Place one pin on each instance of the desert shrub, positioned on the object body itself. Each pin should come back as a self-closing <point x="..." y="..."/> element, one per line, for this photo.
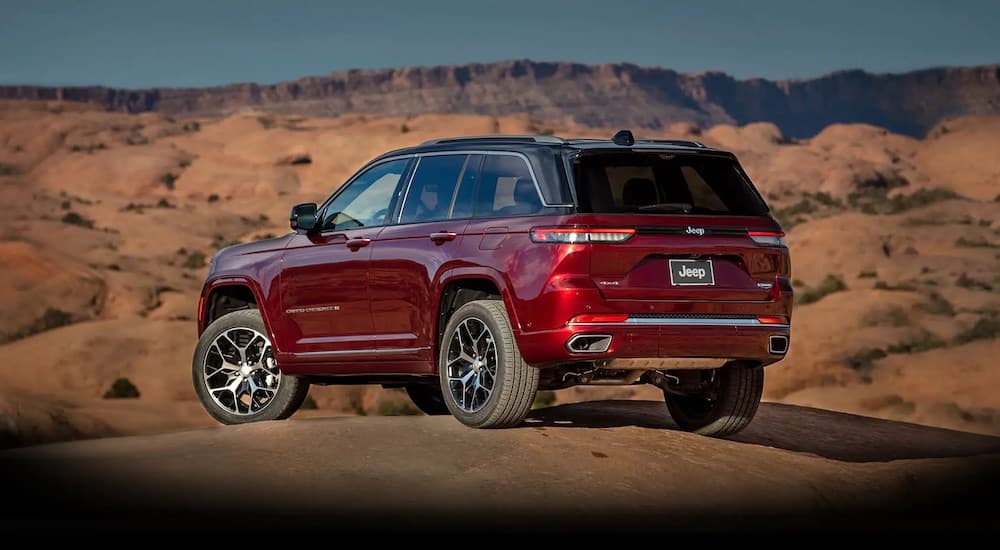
<point x="66" y="205"/>
<point x="905" y="287"/>
<point x="867" y="275"/>
<point x="122" y="388"/>
<point x="986" y="328"/>
<point x="895" y="316"/>
<point x="114" y="267"/>
<point x="397" y="408"/>
<point x="825" y="199"/>
<point x="72" y="218"/>
<point x="52" y="318"/>
<point x="936" y="305"/>
<point x="404" y="129"/>
<point x="828" y="285"/>
<point x="192" y="126"/>
<point x="164" y="203"/>
<point x="309" y="403"/>
<point x="214" y="197"/>
<point x="184" y="163"/>
<point x="267" y="122"/>
<point x="263" y="236"/>
<point x="876" y="200"/>
<point x="965" y="281"/>
<point x="862" y="361"/>
<point x="922" y="341"/>
<point x="194" y="260"/>
<point x="8" y="169"/>
<point x="544" y="398"/>
<point x="962" y="242"/>
<point x="168" y="180"/>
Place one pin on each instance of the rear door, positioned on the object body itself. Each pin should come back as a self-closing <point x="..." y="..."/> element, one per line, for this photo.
<point x="701" y="232"/>
<point x="408" y="256"/>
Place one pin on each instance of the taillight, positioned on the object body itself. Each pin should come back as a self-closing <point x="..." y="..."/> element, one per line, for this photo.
<point x="581" y="234"/>
<point x="594" y="318"/>
<point x="768" y="238"/>
<point x="771" y="320"/>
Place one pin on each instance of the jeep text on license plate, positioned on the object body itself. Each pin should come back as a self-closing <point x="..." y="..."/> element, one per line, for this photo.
<point x="691" y="272"/>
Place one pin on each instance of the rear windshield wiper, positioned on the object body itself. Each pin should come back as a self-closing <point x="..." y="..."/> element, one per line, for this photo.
<point x="668" y="207"/>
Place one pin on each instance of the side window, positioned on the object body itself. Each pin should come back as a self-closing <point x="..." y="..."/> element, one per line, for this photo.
<point x="463" y="203"/>
<point x="432" y="188"/>
<point x="506" y="188"/>
<point x="365" y="203"/>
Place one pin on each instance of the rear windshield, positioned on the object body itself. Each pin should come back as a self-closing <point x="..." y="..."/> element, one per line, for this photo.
<point x="657" y="183"/>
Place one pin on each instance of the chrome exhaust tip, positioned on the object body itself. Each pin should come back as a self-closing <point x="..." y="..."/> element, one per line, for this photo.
<point x="777" y="344"/>
<point x="589" y="343"/>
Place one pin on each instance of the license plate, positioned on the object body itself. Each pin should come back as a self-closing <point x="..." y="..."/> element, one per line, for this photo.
<point x="691" y="272"/>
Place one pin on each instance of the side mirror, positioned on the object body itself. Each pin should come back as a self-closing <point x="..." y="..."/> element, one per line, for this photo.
<point x="303" y="217"/>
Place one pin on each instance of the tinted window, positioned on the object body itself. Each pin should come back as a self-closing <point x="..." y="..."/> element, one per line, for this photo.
<point x="658" y="183"/>
<point x="506" y="188"/>
<point x="462" y="207"/>
<point x="365" y="202"/>
<point x="432" y="188"/>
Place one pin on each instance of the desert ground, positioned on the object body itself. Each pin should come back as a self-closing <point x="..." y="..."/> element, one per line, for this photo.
<point x="110" y="220"/>
<point x="621" y="466"/>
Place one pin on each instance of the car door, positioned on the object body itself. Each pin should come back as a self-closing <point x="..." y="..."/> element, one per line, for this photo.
<point x="408" y="256"/>
<point x="325" y="274"/>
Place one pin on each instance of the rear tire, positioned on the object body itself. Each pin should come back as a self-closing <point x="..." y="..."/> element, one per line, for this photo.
<point x="484" y="380"/>
<point x="728" y="405"/>
<point x="428" y="398"/>
<point x="235" y="376"/>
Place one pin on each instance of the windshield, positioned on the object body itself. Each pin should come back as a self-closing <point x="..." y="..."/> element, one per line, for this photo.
<point x="657" y="183"/>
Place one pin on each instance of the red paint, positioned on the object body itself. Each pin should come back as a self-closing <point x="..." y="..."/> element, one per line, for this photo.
<point x="366" y="301"/>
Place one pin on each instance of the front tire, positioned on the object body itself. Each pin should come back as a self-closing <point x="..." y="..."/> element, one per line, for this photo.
<point x="235" y="375"/>
<point x="484" y="380"/>
<point x="725" y="407"/>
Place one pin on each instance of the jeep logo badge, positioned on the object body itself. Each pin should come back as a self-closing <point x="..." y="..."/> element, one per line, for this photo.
<point x="696" y="272"/>
<point x="695" y="231"/>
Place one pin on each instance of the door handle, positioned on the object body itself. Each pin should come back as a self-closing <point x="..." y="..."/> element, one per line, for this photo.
<point x="355" y="244"/>
<point x="442" y="236"/>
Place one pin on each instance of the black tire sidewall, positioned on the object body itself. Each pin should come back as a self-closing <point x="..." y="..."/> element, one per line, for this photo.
<point x="470" y="310"/>
<point x="289" y="397"/>
<point x="731" y="405"/>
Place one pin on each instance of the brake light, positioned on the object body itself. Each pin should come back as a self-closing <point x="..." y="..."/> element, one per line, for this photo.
<point x="563" y="235"/>
<point x="599" y="318"/>
<point x="768" y="238"/>
<point x="769" y="320"/>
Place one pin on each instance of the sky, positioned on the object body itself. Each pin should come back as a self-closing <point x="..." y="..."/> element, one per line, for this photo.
<point x="141" y="44"/>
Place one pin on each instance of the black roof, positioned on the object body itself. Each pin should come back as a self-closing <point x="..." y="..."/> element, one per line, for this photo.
<point x="535" y="142"/>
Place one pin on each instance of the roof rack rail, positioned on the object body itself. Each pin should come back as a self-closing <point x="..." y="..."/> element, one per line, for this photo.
<point x="681" y="142"/>
<point x="497" y="139"/>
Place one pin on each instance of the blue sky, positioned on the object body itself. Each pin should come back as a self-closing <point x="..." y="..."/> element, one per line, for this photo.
<point x="205" y="42"/>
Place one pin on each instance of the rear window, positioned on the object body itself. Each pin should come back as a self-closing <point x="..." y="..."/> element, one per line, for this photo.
<point x="657" y="183"/>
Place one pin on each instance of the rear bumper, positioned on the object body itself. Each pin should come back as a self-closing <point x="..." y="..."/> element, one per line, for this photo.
<point x="722" y="338"/>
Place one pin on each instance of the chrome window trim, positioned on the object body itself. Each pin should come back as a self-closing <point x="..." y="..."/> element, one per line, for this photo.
<point x="522" y="156"/>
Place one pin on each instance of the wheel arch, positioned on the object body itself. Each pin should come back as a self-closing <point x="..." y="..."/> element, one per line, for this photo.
<point x="223" y="296"/>
<point x="460" y="287"/>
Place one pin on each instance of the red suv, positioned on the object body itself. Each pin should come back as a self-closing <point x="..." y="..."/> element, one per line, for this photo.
<point x="476" y="271"/>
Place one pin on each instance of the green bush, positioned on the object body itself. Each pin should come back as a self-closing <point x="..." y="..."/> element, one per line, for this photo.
<point x="828" y="285"/>
<point x="72" y="218"/>
<point x="52" y="318"/>
<point x="937" y="305"/>
<point x="168" y="180"/>
<point x="194" y="260"/>
<point x="877" y="201"/>
<point x="122" y="388"/>
<point x="8" y="169"/>
<point x="965" y="281"/>
<point x="922" y="341"/>
<point x="986" y="328"/>
<point x="905" y="287"/>
<point x="864" y="359"/>
<point x="397" y="408"/>
<point x="895" y="316"/>
<point x="404" y="129"/>
<point x="976" y="243"/>
<point x="309" y="404"/>
<point x="867" y="275"/>
<point x="543" y="399"/>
